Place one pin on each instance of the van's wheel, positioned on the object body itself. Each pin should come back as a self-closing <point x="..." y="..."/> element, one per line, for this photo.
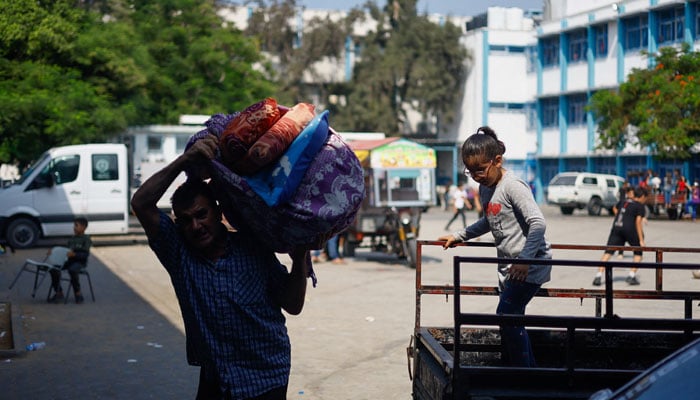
<point x="595" y="205"/>
<point x="22" y="233"/>
<point x="567" y="210"/>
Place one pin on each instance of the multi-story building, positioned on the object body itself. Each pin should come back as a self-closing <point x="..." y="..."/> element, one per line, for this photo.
<point x="498" y="90"/>
<point x="531" y="75"/>
<point x="587" y="46"/>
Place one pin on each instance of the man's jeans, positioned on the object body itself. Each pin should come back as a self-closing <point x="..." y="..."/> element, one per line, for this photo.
<point x="515" y="340"/>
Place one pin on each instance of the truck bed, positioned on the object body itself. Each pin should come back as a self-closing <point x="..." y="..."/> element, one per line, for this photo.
<point x="576" y="355"/>
<point x="594" y="360"/>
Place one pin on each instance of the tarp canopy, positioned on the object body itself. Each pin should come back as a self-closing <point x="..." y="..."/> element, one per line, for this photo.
<point x="393" y="153"/>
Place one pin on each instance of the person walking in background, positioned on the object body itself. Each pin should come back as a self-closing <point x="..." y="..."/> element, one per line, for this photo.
<point x="460" y="205"/>
<point x="668" y="186"/>
<point x="472" y="188"/>
<point x="694" y="201"/>
<point x="512" y="215"/>
<point x="332" y="249"/>
<point x="627" y="227"/>
<point x="450" y="191"/>
<point x="624" y="196"/>
<point x="230" y="286"/>
<point x="682" y="190"/>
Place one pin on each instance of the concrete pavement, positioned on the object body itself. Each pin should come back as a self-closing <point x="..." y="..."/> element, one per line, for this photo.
<point x="349" y="342"/>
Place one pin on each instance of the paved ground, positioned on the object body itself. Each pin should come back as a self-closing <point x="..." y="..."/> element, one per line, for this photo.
<point x="349" y="342"/>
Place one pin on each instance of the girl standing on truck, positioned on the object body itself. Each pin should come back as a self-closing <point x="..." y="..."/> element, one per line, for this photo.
<point x="518" y="226"/>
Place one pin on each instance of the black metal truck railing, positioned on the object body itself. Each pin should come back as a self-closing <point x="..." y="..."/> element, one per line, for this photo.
<point x="658" y="293"/>
<point x="572" y="325"/>
<point x="565" y="377"/>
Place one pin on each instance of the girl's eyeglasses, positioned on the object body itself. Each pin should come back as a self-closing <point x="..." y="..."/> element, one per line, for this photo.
<point x="478" y="174"/>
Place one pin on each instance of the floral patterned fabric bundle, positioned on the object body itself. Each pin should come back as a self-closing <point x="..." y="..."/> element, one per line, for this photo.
<point x="324" y="203"/>
<point x="242" y="131"/>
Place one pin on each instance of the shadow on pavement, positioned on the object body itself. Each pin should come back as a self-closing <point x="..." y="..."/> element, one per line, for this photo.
<point x="118" y="347"/>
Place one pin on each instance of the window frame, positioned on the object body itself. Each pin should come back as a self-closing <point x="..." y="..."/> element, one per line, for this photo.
<point x="550" y="51"/>
<point x="671" y="25"/>
<point x="640" y="32"/>
<point x="600" y="36"/>
<point x="550" y="112"/>
<point x="576" y="105"/>
<point x="578" y="46"/>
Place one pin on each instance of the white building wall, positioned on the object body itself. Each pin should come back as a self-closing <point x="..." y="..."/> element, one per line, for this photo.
<point x="550" y="142"/>
<point x="510" y="128"/>
<point x="577" y="140"/>
<point x="577" y="75"/>
<point x="551" y="81"/>
<point x="507" y="83"/>
<point x="635" y="60"/>
<point x="472" y="105"/>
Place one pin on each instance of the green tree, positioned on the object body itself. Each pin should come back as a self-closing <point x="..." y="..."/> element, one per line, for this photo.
<point x="322" y="38"/>
<point x="407" y="63"/>
<point x="82" y="71"/>
<point x="43" y="96"/>
<point x="657" y="107"/>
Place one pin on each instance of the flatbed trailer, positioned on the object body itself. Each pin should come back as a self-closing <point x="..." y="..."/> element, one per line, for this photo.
<point x="576" y="355"/>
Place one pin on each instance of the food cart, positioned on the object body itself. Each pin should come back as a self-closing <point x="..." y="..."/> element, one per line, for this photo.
<point x="400" y="183"/>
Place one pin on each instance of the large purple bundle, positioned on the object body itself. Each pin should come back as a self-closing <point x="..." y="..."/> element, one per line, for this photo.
<point x="325" y="203"/>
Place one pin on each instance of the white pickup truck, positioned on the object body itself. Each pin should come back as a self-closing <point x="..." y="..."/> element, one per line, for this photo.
<point x="579" y="190"/>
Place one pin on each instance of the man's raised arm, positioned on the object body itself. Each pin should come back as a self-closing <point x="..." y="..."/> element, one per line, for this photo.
<point x="144" y="202"/>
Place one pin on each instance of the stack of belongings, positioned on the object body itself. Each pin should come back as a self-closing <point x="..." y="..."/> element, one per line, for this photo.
<point x="284" y="175"/>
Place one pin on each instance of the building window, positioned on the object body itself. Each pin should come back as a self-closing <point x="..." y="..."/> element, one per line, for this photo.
<point x="550" y="51"/>
<point x="507" y="107"/>
<point x="577" y="109"/>
<point x="154" y="144"/>
<point x="671" y="25"/>
<point x="600" y="41"/>
<point x="636" y="32"/>
<point x="578" y="45"/>
<point x="550" y="112"/>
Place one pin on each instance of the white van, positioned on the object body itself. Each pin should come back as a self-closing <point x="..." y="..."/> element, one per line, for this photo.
<point x="89" y="180"/>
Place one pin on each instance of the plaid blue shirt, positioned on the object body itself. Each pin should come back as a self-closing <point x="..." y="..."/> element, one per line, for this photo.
<point x="235" y="329"/>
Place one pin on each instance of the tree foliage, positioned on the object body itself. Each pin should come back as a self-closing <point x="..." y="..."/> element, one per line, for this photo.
<point x="405" y="63"/>
<point x="82" y="71"/>
<point x="408" y="63"/>
<point x="657" y="107"/>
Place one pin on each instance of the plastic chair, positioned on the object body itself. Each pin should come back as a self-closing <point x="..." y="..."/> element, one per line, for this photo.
<point x="83" y="271"/>
<point x="54" y="260"/>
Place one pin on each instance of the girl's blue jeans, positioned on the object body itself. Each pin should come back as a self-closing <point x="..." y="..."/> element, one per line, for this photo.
<point x="515" y="340"/>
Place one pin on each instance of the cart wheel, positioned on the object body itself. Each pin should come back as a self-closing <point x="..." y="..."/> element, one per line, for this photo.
<point x="411" y="249"/>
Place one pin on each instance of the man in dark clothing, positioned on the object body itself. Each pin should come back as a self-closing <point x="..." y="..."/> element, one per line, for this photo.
<point x="627" y="228"/>
<point x="231" y="287"/>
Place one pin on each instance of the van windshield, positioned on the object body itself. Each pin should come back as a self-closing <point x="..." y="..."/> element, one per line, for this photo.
<point x="31" y="169"/>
